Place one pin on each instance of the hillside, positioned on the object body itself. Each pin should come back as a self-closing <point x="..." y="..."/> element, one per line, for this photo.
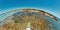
<point x="21" y="19"/>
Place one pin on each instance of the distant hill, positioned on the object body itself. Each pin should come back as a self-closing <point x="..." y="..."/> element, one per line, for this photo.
<point x="20" y="19"/>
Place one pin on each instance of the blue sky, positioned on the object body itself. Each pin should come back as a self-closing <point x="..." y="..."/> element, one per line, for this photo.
<point x="51" y="6"/>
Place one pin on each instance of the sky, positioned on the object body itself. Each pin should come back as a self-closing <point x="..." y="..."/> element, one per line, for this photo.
<point x="51" y="6"/>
